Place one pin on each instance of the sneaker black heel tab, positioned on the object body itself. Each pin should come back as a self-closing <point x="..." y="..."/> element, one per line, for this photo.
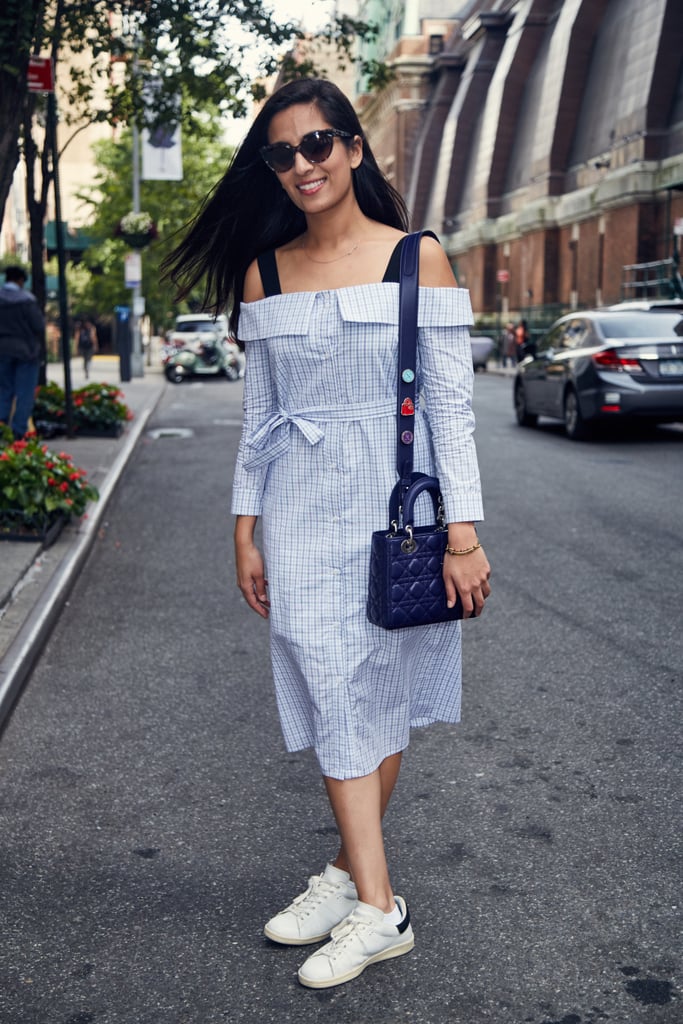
<point x="405" y="922"/>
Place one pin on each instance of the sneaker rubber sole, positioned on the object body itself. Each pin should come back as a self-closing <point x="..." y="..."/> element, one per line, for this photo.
<point x="284" y="941"/>
<point x="385" y="954"/>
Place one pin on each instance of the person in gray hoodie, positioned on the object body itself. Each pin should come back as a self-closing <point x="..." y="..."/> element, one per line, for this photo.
<point x="22" y="326"/>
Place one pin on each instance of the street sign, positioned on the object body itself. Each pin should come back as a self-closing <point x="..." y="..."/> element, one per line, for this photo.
<point x="133" y="270"/>
<point x="503" y="276"/>
<point x="41" y="77"/>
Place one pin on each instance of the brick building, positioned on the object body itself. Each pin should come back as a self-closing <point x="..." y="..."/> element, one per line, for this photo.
<point x="541" y="139"/>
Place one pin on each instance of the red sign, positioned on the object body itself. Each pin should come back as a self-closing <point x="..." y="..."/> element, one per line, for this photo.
<point x="503" y="276"/>
<point x="40" y="75"/>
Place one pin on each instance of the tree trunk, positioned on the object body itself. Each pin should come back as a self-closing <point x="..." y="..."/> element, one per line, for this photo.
<point x="36" y="205"/>
<point x="21" y="19"/>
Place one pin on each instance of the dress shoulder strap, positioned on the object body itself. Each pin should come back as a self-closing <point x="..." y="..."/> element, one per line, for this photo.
<point x="393" y="271"/>
<point x="270" y="279"/>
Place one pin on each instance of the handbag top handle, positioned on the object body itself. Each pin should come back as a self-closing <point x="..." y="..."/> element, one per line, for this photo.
<point x="407" y="355"/>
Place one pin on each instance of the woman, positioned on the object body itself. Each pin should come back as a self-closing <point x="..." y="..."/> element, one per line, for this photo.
<point x="303" y="233"/>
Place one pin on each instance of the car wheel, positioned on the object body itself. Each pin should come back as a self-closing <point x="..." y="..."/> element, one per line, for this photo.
<point x="575" y="426"/>
<point x="175" y="375"/>
<point x="524" y="417"/>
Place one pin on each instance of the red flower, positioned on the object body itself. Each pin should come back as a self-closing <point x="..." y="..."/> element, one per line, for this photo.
<point x="4" y="457"/>
<point x="48" y="463"/>
<point x="75" y="476"/>
<point x="51" y="481"/>
<point x="64" y="486"/>
<point x="78" y="401"/>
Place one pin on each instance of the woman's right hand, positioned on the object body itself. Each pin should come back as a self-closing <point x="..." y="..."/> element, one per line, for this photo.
<point x="250" y="572"/>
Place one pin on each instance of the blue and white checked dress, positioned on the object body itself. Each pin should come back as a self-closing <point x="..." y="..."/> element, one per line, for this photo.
<point x="317" y="462"/>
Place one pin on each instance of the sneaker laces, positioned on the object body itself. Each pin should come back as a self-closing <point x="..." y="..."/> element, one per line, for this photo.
<point x="345" y="930"/>
<point x="318" y="889"/>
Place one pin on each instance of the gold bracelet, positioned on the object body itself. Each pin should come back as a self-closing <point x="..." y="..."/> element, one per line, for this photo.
<point x="462" y="551"/>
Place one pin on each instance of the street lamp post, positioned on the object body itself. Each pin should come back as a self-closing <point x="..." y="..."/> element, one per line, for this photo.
<point x="136" y="365"/>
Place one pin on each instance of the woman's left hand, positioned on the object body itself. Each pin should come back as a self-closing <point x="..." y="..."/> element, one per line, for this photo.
<point x="468" y="576"/>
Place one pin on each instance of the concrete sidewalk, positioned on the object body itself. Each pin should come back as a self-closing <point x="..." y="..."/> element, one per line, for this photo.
<point x="35" y="582"/>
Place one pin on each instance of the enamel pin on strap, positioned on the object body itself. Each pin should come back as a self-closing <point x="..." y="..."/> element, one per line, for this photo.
<point x="407" y="354"/>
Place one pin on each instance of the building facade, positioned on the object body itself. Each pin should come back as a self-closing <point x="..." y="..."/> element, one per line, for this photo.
<point x="541" y="139"/>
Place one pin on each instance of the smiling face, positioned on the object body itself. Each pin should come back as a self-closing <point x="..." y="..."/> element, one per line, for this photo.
<point x="314" y="188"/>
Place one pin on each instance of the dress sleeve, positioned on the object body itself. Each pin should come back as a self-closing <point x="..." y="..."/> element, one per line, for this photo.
<point x="446" y="380"/>
<point x="259" y="402"/>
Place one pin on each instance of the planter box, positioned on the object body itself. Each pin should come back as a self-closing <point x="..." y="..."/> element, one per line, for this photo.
<point x="114" y="430"/>
<point x="13" y="526"/>
<point x="48" y="429"/>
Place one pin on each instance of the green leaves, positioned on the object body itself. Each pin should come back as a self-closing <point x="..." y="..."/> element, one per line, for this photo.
<point x="171" y="204"/>
<point x="94" y="406"/>
<point x="36" y="483"/>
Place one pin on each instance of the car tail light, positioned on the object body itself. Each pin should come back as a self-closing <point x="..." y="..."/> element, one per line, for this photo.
<point x="609" y="359"/>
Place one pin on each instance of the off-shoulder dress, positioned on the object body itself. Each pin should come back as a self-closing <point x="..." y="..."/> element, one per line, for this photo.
<point x="317" y="462"/>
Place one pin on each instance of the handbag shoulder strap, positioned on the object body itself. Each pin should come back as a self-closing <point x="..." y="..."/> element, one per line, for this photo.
<point x="407" y="354"/>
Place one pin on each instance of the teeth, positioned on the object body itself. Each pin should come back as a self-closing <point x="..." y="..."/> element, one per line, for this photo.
<point x="309" y="185"/>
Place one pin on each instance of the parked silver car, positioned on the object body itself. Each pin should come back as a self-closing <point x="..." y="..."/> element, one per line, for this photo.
<point x="481" y="350"/>
<point x="602" y="366"/>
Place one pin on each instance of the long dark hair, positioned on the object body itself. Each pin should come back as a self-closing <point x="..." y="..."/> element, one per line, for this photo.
<point x="248" y="212"/>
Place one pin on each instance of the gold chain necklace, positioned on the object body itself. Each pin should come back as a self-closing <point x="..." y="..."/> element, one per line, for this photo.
<point x="336" y="258"/>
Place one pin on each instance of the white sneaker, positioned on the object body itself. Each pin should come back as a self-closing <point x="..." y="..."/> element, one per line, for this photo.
<point x="330" y="898"/>
<point x="362" y="939"/>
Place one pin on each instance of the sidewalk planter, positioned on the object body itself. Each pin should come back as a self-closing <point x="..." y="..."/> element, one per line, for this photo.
<point x="15" y="526"/>
<point x="39" y="490"/>
<point x="115" y="430"/>
<point x="97" y="411"/>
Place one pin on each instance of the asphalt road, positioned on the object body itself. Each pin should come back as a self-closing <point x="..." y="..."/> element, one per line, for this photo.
<point x="150" y="820"/>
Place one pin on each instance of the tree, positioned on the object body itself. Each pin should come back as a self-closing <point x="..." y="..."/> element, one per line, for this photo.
<point x="171" y="204"/>
<point x="19" y="21"/>
<point x="142" y="56"/>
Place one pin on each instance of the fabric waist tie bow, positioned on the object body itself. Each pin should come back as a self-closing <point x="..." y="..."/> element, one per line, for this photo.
<point x="271" y="439"/>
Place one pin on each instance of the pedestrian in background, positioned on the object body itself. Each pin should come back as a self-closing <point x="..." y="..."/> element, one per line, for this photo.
<point x="85" y="341"/>
<point x="509" y="345"/>
<point x="22" y="328"/>
<point x="304" y="234"/>
<point x="521" y="340"/>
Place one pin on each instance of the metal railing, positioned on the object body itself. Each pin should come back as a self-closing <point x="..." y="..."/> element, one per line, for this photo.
<point x="657" y="280"/>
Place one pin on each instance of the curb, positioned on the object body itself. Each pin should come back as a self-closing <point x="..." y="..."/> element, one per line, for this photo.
<point x="23" y="652"/>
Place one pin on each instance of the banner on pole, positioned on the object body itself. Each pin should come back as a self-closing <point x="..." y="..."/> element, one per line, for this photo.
<point x="162" y="158"/>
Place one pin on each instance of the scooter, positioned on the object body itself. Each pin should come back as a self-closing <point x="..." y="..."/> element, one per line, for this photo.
<point x="212" y="358"/>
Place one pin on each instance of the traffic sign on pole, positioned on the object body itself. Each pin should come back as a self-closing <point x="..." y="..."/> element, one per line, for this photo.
<point x="41" y="75"/>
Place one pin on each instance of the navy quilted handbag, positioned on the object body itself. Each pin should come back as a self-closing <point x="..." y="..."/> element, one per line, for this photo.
<point x="406" y="585"/>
